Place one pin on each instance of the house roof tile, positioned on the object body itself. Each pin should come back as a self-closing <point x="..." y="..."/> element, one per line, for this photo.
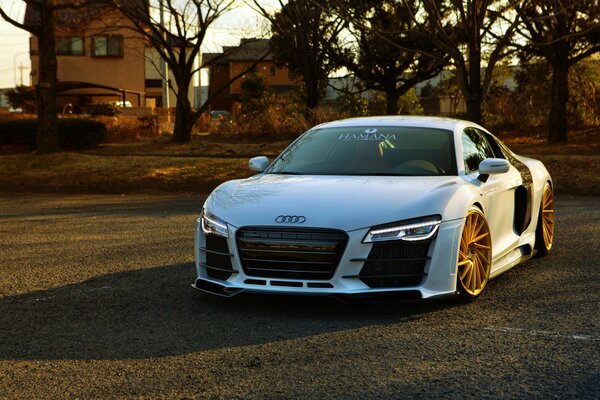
<point x="248" y="50"/>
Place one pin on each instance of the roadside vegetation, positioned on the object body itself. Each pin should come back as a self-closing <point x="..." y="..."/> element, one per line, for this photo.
<point x="135" y="158"/>
<point x="138" y="155"/>
<point x="390" y="46"/>
<point x="526" y="103"/>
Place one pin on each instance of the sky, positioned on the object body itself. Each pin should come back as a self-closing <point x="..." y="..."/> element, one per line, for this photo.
<point x="14" y="42"/>
<point x="14" y="48"/>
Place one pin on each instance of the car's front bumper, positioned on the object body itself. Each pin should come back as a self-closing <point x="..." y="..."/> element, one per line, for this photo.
<point x="439" y="278"/>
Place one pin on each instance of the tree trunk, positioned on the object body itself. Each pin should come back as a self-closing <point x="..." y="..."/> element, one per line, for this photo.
<point x="391" y="101"/>
<point x="182" y="131"/>
<point x="312" y="94"/>
<point x="474" y="107"/>
<point x="559" y="97"/>
<point x="474" y="95"/>
<point x="48" y="140"/>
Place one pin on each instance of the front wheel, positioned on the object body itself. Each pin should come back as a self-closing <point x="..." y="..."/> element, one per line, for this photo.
<point x="474" y="256"/>
<point x="544" y="233"/>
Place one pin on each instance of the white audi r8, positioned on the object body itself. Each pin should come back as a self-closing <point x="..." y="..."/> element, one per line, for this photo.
<point x="377" y="208"/>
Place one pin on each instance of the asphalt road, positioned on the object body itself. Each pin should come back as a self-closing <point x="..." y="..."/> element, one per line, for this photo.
<point x="95" y="302"/>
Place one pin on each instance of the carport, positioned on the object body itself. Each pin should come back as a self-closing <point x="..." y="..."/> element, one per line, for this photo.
<point x="79" y="89"/>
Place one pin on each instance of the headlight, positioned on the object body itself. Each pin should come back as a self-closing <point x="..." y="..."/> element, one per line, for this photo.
<point x="416" y="229"/>
<point x="212" y="224"/>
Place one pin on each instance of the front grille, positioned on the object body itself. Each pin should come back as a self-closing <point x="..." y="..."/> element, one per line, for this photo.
<point x="395" y="264"/>
<point x="218" y="260"/>
<point x="292" y="253"/>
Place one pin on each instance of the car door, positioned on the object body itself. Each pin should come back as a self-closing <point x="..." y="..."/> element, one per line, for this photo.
<point x="498" y="190"/>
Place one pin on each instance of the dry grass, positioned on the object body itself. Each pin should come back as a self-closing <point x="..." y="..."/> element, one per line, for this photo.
<point x="573" y="166"/>
<point x="200" y="145"/>
<point x="160" y="166"/>
<point x="74" y="172"/>
<point x="584" y="141"/>
<point x="124" y="129"/>
<point x="574" y="174"/>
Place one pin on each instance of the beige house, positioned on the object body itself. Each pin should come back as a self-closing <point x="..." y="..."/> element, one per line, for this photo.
<point x="99" y="59"/>
<point x="154" y="80"/>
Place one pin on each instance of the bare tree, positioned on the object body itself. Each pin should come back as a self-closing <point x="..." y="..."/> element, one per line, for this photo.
<point x="475" y="34"/>
<point x="304" y="36"/>
<point x="382" y="54"/>
<point x="178" y="42"/>
<point x="563" y="33"/>
<point x="44" y="17"/>
<point x="47" y="123"/>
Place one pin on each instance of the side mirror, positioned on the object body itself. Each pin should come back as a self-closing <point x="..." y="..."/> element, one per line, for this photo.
<point x="491" y="166"/>
<point x="259" y="163"/>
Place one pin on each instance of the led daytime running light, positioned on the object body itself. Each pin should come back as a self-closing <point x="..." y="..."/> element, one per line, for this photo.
<point x="405" y="227"/>
<point x="414" y="231"/>
<point x="209" y="224"/>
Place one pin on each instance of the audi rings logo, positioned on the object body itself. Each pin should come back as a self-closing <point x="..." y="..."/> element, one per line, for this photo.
<point x="290" y="219"/>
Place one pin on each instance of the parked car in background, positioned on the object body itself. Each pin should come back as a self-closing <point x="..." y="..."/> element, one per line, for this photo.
<point x="220" y="116"/>
<point x="121" y="103"/>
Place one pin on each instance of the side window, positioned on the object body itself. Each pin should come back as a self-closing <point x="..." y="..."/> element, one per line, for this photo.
<point x="493" y="144"/>
<point x="475" y="148"/>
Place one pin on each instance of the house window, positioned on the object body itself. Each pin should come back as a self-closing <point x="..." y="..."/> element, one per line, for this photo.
<point x="107" y="46"/>
<point x="272" y="71"/>
<point x="69" y="46"/>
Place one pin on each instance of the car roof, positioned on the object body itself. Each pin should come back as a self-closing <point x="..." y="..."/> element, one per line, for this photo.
<point x="399" y="120"/>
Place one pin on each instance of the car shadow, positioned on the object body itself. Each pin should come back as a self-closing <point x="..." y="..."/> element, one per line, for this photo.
<point x="154" y="312"/>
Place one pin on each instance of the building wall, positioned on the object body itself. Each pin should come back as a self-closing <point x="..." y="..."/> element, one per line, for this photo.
<point x="273" y="76"/>
<point x="152" y="64"/>
<point x="219" y="76"/>
<point x="125" y="72"/>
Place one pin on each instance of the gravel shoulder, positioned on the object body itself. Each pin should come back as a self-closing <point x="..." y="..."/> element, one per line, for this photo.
<point x="95" y="302"/>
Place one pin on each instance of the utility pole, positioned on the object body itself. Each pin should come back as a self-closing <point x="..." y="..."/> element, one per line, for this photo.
<point x="21" y="68"/>
<point x="15" y="68"/>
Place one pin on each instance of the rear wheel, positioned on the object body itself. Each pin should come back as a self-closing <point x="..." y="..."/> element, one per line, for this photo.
<point x="474" y="256"/>
<point x="544" y="233"/>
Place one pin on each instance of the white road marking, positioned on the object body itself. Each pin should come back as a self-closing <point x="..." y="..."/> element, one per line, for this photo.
<point x="548" y="334"/>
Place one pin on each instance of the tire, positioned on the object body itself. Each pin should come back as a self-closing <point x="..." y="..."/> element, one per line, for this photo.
<point x="474" y="256"/>
<point x="544" y="232"/>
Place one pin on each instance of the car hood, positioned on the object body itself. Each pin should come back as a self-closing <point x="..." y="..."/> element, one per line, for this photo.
<point x="342" y="202"/>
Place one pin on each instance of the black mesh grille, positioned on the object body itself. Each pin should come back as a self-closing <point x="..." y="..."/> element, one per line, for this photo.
<point x="218" y="244"/>
<point x="395" y="264"/>
<point x="293" y="253"/>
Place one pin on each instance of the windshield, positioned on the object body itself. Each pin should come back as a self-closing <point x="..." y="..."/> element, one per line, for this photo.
<point x="389" y="150"/>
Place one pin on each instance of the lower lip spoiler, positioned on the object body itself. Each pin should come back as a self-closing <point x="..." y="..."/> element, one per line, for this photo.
<point x="387" y="296"/>
<point x="215" y="288"/>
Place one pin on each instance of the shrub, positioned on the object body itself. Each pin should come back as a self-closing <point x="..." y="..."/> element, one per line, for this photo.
<point x="149" y="124"/>
<point x="409" y="104"/>
<point x="79" y="133"/>
<point x="203" y="124"/>
<point x="353" y="105"/>
<point x="109" y="110"/>
<point x="280" y="120"/>
<point x="75" y="133"/>
<point x="127" y="129"/>
<point x="22" y="97"/>
<point x="18" y="131"/>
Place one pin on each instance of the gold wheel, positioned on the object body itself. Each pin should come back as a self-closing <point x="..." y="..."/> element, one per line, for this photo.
<point x="474" y="255"/>
<point x="545" y="228"/>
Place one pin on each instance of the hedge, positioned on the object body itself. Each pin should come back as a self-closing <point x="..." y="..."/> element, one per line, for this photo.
<point x="75" y="133"/>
